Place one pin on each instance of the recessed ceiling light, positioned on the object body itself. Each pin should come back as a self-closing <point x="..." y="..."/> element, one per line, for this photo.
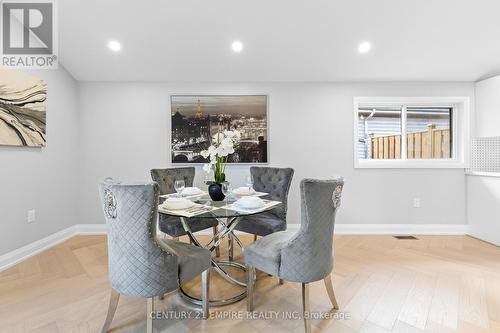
<point x="114" y="45"/>
<point x="364" y="47"/>
<point x="237" y="46"/>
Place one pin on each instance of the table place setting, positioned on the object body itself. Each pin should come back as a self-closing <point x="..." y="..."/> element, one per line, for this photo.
<point x="181" y="206"/>
<point x="247" y="191"/>
<point x="187" y="193"/>
<point x="251" y="204"/>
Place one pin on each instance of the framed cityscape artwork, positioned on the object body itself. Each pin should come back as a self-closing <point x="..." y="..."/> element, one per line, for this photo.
<point x="22" y="109"/>
<point x="197" y="118"/>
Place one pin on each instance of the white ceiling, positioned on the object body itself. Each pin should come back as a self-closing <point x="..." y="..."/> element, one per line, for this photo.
<point x="284" y="40"/>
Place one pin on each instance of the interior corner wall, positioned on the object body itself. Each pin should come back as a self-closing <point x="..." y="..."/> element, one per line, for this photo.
<point x="483" y="192"/>
<point x="44" y="179"/>
<point x="124" y="132"/>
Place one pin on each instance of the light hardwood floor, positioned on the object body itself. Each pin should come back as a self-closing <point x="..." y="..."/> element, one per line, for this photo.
<point x="434" y="284"/>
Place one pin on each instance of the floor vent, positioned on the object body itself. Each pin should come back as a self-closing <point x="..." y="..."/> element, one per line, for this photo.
<point x="406" y="237"/>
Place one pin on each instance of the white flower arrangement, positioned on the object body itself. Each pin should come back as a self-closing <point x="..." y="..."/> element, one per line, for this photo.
<point x="222" y="146"/>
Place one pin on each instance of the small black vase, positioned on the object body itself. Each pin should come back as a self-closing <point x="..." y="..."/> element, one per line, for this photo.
<point x="215" y="192"/>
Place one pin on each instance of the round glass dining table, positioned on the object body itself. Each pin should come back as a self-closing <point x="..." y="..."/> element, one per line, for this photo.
<point x="228" y="218"/>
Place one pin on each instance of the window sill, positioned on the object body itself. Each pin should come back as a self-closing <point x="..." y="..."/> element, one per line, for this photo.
<point x="408" y="164"/>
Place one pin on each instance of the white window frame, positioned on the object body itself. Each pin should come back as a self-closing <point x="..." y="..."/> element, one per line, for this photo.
<point x="461" y="132"/>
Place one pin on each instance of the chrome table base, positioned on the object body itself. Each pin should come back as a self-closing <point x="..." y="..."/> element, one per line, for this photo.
<point x="226" y="231"/>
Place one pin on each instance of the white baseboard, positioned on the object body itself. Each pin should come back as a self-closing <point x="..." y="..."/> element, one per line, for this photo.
<point x="393" y="229"/>
<point x="10" y="259"/>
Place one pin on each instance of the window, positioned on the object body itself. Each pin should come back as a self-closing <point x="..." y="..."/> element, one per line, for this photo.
<point x="379" y="130"/>
<point x="429" y="132"/>
<point x="410" y="132"/>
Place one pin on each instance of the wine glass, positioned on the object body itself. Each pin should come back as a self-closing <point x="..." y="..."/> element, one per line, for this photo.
<point x="207" y="178"/>
<point x="249" y="182"/>
<point x="226" y="189"/>
<point x="179" y="186"/>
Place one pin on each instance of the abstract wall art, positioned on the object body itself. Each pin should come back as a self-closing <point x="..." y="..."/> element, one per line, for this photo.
<point x="23" y="109"/>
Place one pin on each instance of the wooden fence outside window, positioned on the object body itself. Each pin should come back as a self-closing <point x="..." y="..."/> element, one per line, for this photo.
<point x="432" y="143"/>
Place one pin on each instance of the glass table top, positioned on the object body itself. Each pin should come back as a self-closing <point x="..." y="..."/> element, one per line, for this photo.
<point x="214" y="209"/>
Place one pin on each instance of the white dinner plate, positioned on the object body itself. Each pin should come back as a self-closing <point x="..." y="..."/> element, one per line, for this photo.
<point x="243" y="191"/>
<point x="177" y="204"/>
<point x="249" y="203"/>
<point x="191" y="191"/>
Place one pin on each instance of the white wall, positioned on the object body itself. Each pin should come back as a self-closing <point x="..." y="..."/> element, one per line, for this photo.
<point x="483" y="193"/>
<point x="487" y="94"/>
<point x="44" y="179"/>
<point x="124" y="132"/>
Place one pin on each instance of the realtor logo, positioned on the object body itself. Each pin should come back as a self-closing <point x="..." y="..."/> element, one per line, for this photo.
<point x="29" y="38"/>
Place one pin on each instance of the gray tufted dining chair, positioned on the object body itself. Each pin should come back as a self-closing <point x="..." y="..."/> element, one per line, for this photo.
<point x="304" y="256"/>
<point x="140" y="264"/>
<point x="276" y="182"/>
<point x="171" y="225"/>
